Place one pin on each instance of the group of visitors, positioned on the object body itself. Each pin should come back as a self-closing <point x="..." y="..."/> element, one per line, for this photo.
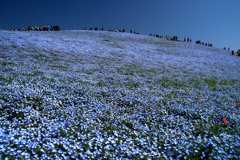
<point x="110" y="30"/>
<point x="174" y="38"/>
<point x="206" y="44"/>
<point x="38" y="28"/>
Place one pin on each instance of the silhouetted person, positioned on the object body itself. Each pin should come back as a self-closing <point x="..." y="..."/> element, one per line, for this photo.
<point x="198" y="42"/>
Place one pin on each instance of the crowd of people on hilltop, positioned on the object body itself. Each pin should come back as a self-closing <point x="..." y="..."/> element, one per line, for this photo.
<point x="37" y="28"/>
<point x="173" y="38"/>
<point x="111" y="30"/>
<point x="238" y="52"/>
<point x="206" y="44"/>
<point x="187" y="39"/>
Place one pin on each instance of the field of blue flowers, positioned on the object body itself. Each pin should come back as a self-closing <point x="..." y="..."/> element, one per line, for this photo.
<point x="104" y="95"/>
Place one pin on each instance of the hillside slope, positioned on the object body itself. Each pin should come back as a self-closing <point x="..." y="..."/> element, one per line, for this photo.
<point x="90" y="94"/>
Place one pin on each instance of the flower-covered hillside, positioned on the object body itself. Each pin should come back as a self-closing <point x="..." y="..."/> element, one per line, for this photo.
<point x="90" y="94"/>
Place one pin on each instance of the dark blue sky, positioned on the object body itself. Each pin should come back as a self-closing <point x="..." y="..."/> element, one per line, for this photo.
<point x="214" y="21"/>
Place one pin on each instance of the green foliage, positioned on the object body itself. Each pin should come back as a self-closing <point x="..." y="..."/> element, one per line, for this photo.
<point x="14" y="46"/>
<point x="211" y="83"/>
<point x="40" y="57"/>
<point x="52" y="80"/>
<point x="133" y="84"/>
<point x="37" y="73"/>
<point x="100" y="83"/>
<point x="7" y="63"/>
<point x="217" y="128"/>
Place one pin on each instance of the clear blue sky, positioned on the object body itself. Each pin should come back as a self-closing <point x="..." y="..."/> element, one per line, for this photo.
<point x="214" y="21"/>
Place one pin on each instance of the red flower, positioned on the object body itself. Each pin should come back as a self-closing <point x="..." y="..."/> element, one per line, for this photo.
<point x="224" y="120"/>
